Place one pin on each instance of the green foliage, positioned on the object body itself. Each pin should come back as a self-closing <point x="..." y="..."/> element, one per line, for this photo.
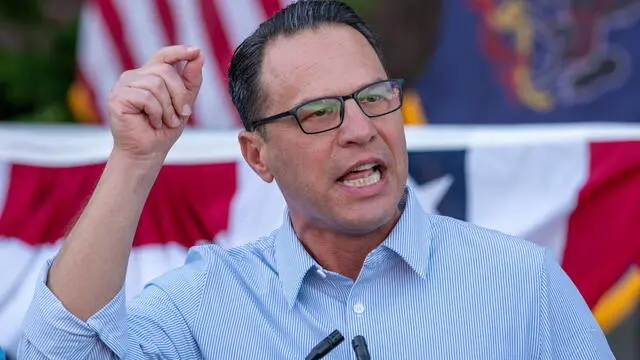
<point x="20" y="11"/>
<point x="35" y="76"/>
<point x="363" y="7"/>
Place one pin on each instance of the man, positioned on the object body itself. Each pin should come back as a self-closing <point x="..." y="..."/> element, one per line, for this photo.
<point x="355" y="251"/>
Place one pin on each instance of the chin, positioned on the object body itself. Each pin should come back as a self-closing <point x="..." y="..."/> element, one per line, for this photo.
<point x="363" y="217"/>
<point x="367" y="220"/>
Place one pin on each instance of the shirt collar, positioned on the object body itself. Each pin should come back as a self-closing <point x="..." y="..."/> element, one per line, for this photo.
<point x="410" y="239"/>
<point x="292" y="260"/>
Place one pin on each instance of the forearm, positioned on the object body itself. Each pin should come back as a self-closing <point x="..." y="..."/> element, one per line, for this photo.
<point x="150" y="326"/>
<point x="50" y="332"/>
<point x="91" y="266"/>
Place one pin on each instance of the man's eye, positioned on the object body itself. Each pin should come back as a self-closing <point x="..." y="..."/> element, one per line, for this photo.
<point x="371" y="98"/>
<point x="317" y="112"/>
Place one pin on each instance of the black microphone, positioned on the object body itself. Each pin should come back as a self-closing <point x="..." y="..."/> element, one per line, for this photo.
<point x="360" y="347"/>
<point x="325" y="346"/>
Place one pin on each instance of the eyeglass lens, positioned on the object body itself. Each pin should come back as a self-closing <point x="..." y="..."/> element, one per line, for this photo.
<point x="375" y="100"/>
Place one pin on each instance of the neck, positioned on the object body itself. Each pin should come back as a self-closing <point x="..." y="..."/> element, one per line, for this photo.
<point x="339" y="252"/>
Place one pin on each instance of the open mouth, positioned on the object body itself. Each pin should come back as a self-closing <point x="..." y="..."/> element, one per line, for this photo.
<point x="363" y="175"/>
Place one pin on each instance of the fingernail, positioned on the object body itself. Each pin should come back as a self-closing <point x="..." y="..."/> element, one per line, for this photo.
<point x="192" y="48"/>
<point x="186" y="110"/>
<point x="175" y="121"/>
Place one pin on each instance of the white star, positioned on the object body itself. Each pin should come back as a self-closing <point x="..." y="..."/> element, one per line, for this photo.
<point x="430" y="194"/>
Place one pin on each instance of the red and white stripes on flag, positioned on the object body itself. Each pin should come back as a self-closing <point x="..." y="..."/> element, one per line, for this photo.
<point x="574" y="188"/>
<point x="117" y="35"/>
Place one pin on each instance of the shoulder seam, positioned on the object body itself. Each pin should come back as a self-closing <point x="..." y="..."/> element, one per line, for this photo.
<point x="542" y="294"/>
<point x="200" y="294"/>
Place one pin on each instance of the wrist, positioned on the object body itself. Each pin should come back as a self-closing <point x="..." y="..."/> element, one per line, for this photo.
<point x="142" y="164"/>
<point x="140" y="172"/>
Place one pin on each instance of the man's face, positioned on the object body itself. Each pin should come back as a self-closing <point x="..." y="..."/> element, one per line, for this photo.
<point x="315" y="172"/>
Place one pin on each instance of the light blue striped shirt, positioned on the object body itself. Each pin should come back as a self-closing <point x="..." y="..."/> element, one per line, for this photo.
<point x="437" y="288"/>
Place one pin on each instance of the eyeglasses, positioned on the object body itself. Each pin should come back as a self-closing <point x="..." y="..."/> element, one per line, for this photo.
<point x="324" y="114"/>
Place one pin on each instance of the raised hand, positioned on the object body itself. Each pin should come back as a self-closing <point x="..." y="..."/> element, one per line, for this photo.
<point x="148" y="109"/>
<point x="149" y="106"/>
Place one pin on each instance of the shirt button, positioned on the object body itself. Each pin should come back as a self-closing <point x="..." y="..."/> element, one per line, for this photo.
<point x="358" y="308"/>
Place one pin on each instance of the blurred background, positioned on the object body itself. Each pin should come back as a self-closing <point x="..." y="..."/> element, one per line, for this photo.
<point x="468" y="64"/>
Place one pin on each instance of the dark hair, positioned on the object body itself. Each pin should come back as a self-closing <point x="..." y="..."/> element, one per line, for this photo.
<point x="246" y="64"/>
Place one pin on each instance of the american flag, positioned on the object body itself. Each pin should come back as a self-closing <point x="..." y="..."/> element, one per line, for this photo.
<point x="574" y="189"/>
<point x="117" y="35"/>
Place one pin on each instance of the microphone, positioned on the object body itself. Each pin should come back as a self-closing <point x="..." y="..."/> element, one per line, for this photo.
<point x="325" y="346"/>
<point x="360" y="348"/>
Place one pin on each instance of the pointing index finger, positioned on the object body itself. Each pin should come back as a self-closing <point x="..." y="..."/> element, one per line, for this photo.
<point x="174" y="54"/>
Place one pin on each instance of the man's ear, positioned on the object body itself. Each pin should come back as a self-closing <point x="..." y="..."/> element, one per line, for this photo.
<point x="254" y="151"/>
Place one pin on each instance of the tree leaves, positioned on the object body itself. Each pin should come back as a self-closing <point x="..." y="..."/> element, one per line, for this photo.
<point x="35" y="75"/>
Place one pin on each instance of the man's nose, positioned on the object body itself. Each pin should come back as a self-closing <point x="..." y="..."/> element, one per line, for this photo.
<point x="357" y="127"/>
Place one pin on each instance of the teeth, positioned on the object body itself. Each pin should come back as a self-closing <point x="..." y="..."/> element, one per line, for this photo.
<point x="363" y="167"/>
<point x="369" y="180"/>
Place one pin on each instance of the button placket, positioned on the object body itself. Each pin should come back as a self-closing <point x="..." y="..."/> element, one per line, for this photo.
<point x="357" y="301"/>
<point x="358" y="308"/>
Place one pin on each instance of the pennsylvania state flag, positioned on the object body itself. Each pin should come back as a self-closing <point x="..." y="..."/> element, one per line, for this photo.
<point x="534" y="61"/>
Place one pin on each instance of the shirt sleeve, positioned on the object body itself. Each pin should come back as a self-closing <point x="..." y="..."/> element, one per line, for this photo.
<point x="152" y="327"/>
<point x="567" y="327"/>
